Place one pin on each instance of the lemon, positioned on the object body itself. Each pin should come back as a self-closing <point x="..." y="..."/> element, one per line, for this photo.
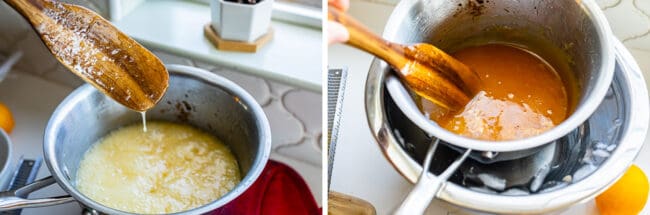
<point x="627" y="196"/>
<point x="6" y="119"/>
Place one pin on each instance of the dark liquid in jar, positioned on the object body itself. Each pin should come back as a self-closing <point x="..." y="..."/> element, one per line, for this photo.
<point x="522" y="96"/>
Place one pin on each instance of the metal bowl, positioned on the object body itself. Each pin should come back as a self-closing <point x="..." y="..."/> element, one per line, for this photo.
<point x="571" y="170"/>
<point x="5" y="160"/>
<point x="195" y="96"/>
<point x="573" y="36"/>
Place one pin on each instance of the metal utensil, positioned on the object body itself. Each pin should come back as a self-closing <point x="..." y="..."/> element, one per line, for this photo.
<point x="17" y="199"/>
<point x="26" y="172"/>
<point x="336" y="83"/>
<point x="427" y="187"/>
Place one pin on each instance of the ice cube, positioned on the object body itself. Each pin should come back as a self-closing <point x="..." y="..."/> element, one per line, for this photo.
<point x="492" y="181"/>
<point x="600" y="153"/>
<point x="539" y="178"/>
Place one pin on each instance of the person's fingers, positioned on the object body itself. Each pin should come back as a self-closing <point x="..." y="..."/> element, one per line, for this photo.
<point x="336" y="33"/>
<point x="340" y="4"/>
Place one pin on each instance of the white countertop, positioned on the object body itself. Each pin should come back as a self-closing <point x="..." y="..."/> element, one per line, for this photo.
<point x="360" y="168"/>
<point x="292" y="57"/>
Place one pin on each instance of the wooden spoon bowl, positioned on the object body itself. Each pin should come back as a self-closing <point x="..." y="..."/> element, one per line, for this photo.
<point x="93" y="49"/>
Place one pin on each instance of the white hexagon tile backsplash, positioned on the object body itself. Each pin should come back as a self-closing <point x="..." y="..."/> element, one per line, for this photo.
<point x="629" y="20"/>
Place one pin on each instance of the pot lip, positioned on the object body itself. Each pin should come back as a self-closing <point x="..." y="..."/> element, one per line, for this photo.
<point x="246" y="100"/>
<point x="579" y="116"/>
<point x="590" y="186"/>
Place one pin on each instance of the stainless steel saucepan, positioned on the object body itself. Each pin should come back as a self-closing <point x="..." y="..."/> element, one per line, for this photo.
<point x="573" y="36"/>
<point x="195" y="96"/>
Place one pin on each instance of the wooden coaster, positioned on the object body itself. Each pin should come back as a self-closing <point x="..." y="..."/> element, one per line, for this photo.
<point x="231" y="45"/>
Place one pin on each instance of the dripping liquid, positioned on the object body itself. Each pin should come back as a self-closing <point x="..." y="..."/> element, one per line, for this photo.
<point x="144" y="120"/>
<point x="521" y="96"/>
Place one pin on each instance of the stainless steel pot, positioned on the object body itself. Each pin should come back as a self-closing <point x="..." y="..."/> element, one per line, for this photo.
<point x="573" y="36"/>
<point x="620" y="122"/>
<point x="195" y="96"/>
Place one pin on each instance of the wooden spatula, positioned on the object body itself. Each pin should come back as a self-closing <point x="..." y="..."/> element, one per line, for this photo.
<point x="96" y="51"/>
<point x="428" y="71"/>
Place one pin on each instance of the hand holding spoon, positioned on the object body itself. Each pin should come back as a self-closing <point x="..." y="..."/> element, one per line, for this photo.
<point x="427" y="70"/>
<point x="93" y="49"/>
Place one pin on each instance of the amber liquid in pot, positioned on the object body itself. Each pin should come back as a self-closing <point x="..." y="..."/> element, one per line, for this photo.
<point x="522" y="96"/>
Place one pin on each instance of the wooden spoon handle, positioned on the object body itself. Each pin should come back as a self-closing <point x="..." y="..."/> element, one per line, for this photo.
<point x="420" y="77"/>
<point x="364" y="39"/>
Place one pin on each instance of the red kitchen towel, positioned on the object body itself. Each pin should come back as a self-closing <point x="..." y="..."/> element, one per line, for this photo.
<point x="279" y="190"/>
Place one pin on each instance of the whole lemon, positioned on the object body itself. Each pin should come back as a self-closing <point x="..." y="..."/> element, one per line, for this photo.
<point x="6" y="119"/>
<point x="627" y="196"/>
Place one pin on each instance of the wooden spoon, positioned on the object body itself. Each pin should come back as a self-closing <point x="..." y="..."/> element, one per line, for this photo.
<point x="427" y="70"/>
<point x="96" y="51"/>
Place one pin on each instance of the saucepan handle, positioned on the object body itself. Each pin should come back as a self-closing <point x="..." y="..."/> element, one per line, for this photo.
<point x="420" y="197"/>
<point x="17" y="199"/>
<point x="427" y="187"/>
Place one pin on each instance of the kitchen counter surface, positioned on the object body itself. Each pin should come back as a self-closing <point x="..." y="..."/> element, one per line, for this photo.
<point x="292" y="57"/>
<point x="360" y="168"/>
